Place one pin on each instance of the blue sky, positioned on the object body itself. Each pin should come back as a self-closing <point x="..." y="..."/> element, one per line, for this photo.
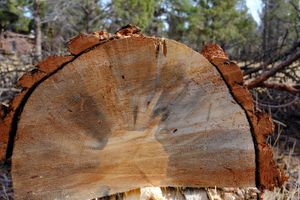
<point x="255" y="7"/>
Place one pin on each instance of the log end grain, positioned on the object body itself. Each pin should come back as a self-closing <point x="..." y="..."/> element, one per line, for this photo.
<point x="166" y="79"/>
<point x="128" y="113"/>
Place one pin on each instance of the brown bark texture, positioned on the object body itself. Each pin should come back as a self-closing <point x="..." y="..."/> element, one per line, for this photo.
<point x="267" y="174"/>
<point x="127" y="111"/>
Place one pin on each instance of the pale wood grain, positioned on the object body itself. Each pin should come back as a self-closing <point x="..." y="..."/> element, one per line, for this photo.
<point x="131" y="113"/>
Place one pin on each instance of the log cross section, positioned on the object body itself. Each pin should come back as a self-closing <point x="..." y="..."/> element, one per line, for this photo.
<point x="124" y="113"/>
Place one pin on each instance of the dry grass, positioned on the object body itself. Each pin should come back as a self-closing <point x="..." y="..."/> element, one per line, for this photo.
<point x="6" y="191"/>
<point x="290" y="163"/>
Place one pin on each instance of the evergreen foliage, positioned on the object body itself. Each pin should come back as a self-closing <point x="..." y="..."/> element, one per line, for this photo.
<point x="194" y="22"/>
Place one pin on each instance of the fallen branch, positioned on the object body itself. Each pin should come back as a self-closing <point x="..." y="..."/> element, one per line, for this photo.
<point x="10" y="89"/>
<point x="248" y="71"/>
<point x="14" y="71"/>
<point x="280" y="86"/>
<point x="282" y="105"/>
<point x="264" y="76"/>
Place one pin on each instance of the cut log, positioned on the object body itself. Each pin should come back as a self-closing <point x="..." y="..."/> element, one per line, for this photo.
<point x="131" y="111"/>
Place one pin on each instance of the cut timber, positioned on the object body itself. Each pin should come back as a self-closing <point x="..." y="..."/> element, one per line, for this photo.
<point x="267" y="174"/>
<point x="128" y="112"/>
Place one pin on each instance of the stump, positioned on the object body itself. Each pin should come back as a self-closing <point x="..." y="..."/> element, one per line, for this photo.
<point x="130" y="111"/>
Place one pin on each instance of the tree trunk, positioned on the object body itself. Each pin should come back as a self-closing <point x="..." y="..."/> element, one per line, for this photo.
<point x="38" y="31"/>
<point x="131" y="111"/>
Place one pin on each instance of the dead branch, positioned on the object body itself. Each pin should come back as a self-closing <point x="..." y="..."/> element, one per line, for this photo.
<point x="248" y="71"/>
<point x="264" y="76"/>
<point x="281" y="105"/>
<point x="10" y="89"/>
<point x="280" y="86"/>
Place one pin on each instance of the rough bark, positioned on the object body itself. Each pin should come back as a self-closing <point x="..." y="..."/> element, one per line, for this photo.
<point x="129" y="111"/>
<point x="268" y="175"/>
<point x="9" y="118"/>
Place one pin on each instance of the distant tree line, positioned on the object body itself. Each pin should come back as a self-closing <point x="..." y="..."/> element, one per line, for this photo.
<point x="194" y="22"/>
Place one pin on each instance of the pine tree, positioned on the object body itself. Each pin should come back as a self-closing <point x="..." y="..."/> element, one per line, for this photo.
<point x="280" y="27"/>
<point x="138" y="12"/>
<point x="12" y="16"/>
